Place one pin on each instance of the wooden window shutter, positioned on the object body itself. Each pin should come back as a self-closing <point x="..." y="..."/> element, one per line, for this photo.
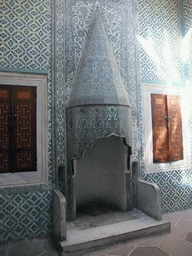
<point x="167" y="128"/>
<point x="21" y="129"/>
<point x="175" y="127"/>
<point x="159" y="125"/>
<point x="4" y="128"/>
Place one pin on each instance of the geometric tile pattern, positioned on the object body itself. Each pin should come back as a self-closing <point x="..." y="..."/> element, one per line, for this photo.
<point x="160" y="41"/>
<point x="25" y="34"/>
<point x="175" y="189"/>
<point x="156" y="17"/>
<point x="188" y="25"/>
<point x="25" y="214"/>
<point x="25" y="46"/>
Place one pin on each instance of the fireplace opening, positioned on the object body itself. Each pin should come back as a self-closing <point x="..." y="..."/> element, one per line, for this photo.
<point x="95" y="208"/>
<point x="101" y="181"/>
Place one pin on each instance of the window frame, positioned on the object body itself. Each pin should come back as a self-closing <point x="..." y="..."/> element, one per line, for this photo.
<point x="40" y="176"/>
<point x="147" y="90"/>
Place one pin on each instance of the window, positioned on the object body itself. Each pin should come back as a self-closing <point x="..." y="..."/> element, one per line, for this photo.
<point x="170" y="149"/>
<point x="39" y="175"/>
<point x="167" y="128"/>
<point x="17" y="129"/>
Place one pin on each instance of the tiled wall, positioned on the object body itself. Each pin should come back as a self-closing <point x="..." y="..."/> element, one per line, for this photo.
<point x="160" y="38"/>
<point x="24" y="213"/>
<point x="26" y="47"/>
<point x="188" y="29"/>
<point x="25" y="34"/>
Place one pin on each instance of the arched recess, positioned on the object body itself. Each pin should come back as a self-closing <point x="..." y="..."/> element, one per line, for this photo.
<point x="100" y="173"/>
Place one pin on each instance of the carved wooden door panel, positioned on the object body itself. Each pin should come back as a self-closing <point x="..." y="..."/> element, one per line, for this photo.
<point x="21" y="129"/>
<point x="160" y="131"/>
<point x="4" y="128"/>
<point x="175" y="127"/>
<point x="166" y="127"/>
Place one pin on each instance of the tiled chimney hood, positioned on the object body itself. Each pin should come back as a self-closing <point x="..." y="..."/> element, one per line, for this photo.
<point x="98" y="105"/>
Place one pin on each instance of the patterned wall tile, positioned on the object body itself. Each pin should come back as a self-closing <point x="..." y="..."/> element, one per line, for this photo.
<point x="25" y="214"/>
<point x="188" y="30"/>
<point x="25" y="34"/>
<point x="26" y="46"/>
<point x="119" y="25"/>
<point x="159" y="35"/>
<point x="60" y="82"/>
<point x="175" y="186"/>
<point x="175" y="189"/>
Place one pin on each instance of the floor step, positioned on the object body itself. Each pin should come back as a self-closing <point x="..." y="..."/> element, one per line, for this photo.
<point x="79" y="242"/>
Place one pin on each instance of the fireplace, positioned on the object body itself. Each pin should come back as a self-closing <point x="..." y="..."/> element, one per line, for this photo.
<point x="101" y="178"/>
<point x="98" y="129"/>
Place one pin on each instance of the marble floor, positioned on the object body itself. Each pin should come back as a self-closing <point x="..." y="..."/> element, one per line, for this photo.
<point x="176" y="243"/>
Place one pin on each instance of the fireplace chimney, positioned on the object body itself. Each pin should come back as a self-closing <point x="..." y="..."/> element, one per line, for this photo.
<point x="98" y="105"/>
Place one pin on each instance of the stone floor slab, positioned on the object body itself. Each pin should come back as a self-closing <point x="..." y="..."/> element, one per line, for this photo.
<point x="176" y="247"/>
<point x="185" y="225"/>
<point x="25" y="248"/>
<point x="149" y="241"/>
<point x="121" y="250"/>
<point x="188" y="237"/>
<point x="175" y="234"/>
<point x="148" y="251"/>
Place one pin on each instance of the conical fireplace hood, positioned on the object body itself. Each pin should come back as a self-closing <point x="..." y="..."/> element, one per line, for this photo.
<point x="98" y="105"/>
<point x="98" y="80"/>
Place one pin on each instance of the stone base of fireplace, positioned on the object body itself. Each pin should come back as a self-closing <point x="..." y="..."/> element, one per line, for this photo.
<point x="88" y="233"/>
